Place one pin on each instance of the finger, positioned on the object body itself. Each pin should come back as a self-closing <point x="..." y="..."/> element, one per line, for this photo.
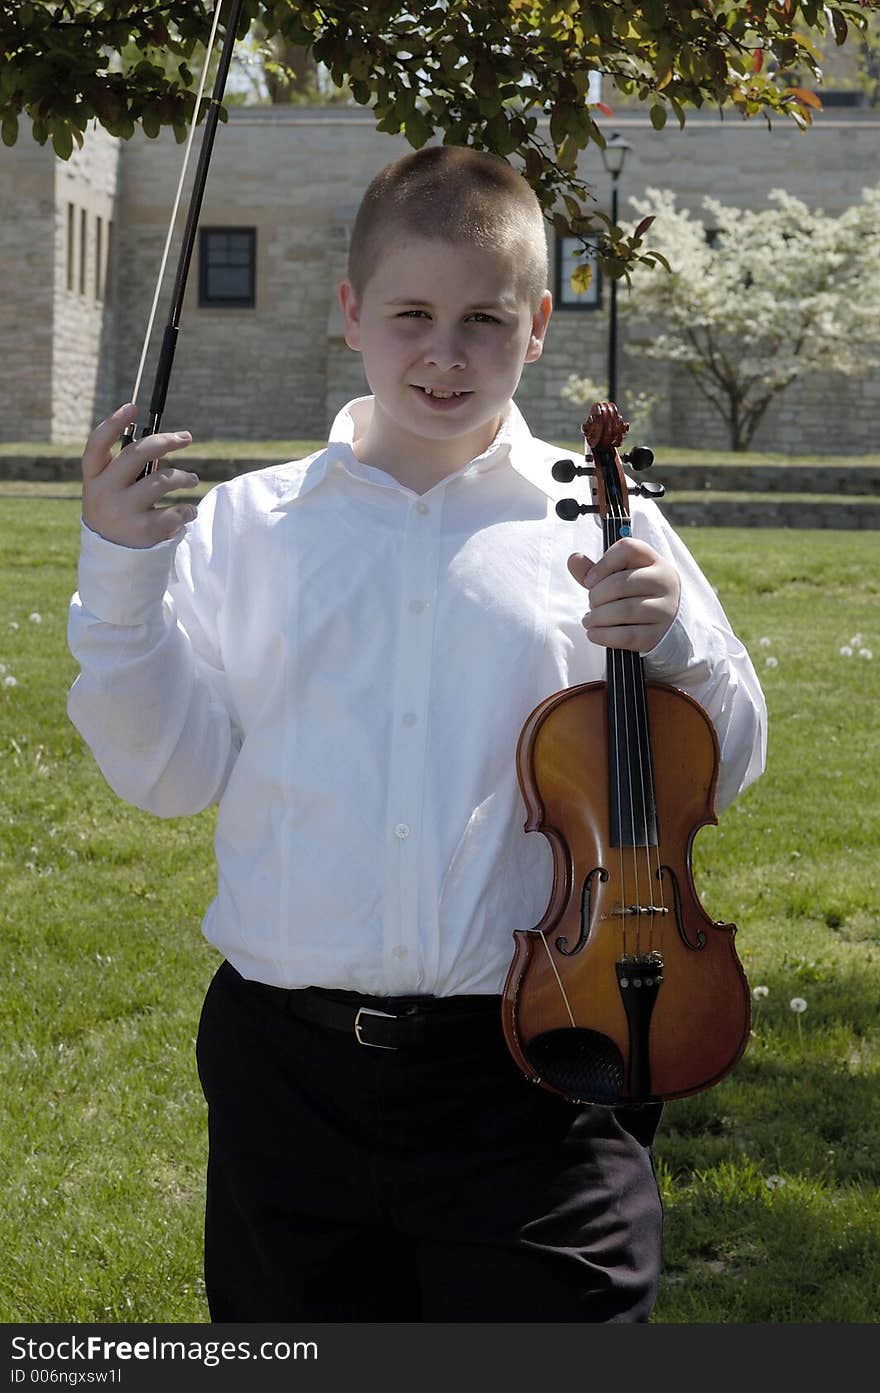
<point x="580" y="566"/>
<point x="637" y="638"/>
<point x="96" y="455"/>
<point x="626" y="554"/>
<point x="155" y="486"/>
<point x="130" y="462"/>
<point x="645" y="583"/>
<point x="171" y="520"/>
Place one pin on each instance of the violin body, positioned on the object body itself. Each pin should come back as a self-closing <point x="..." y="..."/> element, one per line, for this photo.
<point x="626" y="992"/>
<point x="680" y="1035"/>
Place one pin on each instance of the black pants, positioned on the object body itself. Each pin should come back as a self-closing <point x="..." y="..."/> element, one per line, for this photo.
<point x="347" y="1183"/>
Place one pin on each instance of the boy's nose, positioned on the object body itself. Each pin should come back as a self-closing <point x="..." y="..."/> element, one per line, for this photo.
<point x="445" y="351"/>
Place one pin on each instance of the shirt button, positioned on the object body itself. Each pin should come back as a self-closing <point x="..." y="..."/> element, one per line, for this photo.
<point x="422" y="508"/>
<point x="410" y="718"/>
<point x="417" y="606"/>
<point x="401" y="831"/>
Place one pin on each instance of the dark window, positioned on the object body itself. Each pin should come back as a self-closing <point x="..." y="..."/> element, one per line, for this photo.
<point x="108" y="263"/>
<point x="228" y="266"/>
<point x="565" y="298"/>
<point x="71" y="249"/>
<point x="99" y="264"/>
<point x="83" y="235"/>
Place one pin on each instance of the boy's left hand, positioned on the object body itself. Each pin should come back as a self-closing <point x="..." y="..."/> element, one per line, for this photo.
<point x="634" y="595"/>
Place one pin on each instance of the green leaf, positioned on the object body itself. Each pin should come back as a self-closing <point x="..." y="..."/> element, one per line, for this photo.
<point x="417" y="129"/>
<point x="62" y="141"/>
<point x="9" y="128"/>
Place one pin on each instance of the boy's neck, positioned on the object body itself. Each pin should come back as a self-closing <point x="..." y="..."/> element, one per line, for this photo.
<point x="414" y="461"/>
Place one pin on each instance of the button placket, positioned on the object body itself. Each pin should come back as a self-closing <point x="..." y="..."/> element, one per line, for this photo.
<point x="406" y="773"/>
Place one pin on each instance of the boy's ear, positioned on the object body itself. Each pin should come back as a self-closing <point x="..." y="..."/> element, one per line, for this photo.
<point x="351" y="314"/>
<point x="540" y="320"/>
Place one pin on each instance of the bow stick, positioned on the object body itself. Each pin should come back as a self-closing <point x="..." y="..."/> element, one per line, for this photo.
<point x="169" y="340"/>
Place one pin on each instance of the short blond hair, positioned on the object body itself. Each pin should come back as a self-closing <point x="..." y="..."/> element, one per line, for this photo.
<point x="457" y="194"/>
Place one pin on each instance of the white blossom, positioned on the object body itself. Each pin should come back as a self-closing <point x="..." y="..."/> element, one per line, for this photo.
<point x="782" y="292"/>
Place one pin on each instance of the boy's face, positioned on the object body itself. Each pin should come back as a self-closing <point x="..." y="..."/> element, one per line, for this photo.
<point x="437" y="318"/>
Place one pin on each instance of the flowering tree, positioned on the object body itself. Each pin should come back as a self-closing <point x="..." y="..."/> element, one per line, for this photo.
<point x="757" y="299"/>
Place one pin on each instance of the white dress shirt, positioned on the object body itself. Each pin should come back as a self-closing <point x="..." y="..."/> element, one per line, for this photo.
<point x="346" y="665"/>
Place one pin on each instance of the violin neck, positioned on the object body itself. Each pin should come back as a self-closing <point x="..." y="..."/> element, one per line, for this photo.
<point x="632" y="808"/>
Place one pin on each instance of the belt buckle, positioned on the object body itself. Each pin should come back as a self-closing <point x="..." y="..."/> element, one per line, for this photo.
<point x="368" y="1011"/>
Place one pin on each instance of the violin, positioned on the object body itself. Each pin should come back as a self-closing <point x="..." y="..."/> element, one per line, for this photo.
<point x="626" y="991"/>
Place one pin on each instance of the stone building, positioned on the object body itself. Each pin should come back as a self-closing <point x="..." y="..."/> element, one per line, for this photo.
<point x="261" y="352"/>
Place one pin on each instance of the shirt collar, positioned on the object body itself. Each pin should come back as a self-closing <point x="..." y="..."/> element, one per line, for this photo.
<point x="514" y="443"/>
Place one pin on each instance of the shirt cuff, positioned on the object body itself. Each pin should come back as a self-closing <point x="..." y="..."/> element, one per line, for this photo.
<point x="123" y="585"/>
<point x="673" y="656"/>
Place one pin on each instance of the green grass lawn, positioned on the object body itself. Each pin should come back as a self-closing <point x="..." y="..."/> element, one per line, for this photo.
<point x="770" y="1180"/>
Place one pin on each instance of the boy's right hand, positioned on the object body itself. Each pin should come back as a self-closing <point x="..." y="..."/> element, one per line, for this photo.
<point x="118" y="505"/>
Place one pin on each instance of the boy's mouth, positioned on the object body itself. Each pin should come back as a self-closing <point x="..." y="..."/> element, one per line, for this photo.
<point x="440" y="394"/>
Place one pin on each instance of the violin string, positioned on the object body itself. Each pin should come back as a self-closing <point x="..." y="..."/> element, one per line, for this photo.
<point x="614" y="708"/>
<point x="186" y="157"/>
<point x="621" y="660"/>
<point x="654" y="873"/>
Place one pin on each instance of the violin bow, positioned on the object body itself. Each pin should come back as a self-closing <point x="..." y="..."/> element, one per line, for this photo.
<point x="169" y="340"/>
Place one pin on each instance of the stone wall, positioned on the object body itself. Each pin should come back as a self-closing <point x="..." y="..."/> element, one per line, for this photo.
<point x="27" y="211"/>
<point x="84" y="320"/>
<point x="282" y="369"/>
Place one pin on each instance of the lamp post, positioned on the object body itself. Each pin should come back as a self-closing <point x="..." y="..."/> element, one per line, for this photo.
<point x="613" y="157"/>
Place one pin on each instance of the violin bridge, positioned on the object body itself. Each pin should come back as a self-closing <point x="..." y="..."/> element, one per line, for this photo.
<point x="630" y="911"/>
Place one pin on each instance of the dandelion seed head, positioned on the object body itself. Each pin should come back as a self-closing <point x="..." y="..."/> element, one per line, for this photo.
<point x="772" y="662"/>
<point x="765" y="642"/>
<point x="760" y="992"/>
<point x="774" y="1182"/>
<point x="846" y="651"/>
<point x="856" y="640"/>
<point x="35" y="618"/>
<point x="12" y="624"/>
<point x="798" y="1005"/>
<point x="10" y="681"/>
<point x="865" y="653"/>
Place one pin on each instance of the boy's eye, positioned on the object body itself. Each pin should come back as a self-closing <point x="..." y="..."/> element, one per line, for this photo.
<point x="482" y="318"/>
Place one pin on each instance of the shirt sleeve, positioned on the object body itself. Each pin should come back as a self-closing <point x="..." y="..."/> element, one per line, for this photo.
<point x="151" y="700"/>
<point x="702" y="655"/>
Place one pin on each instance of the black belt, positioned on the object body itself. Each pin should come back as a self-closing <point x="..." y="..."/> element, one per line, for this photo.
<point x="390" y="1023"/>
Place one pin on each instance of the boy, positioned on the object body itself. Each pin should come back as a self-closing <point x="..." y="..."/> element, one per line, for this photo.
<point x="342" y="652"/>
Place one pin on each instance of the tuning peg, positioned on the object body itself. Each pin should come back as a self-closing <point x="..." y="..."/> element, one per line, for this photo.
<point x="564" y="470"/>
<point x="569" y="509"/>
<point x="639" y="457"/>
<point x="648" y="489"/>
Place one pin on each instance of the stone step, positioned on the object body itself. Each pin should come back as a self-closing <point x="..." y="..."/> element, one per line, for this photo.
<point x="716" y="509"/>
<point x="850" y="479"/>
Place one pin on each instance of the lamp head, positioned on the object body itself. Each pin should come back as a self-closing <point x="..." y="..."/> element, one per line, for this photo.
<point x="614" y="154"/>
